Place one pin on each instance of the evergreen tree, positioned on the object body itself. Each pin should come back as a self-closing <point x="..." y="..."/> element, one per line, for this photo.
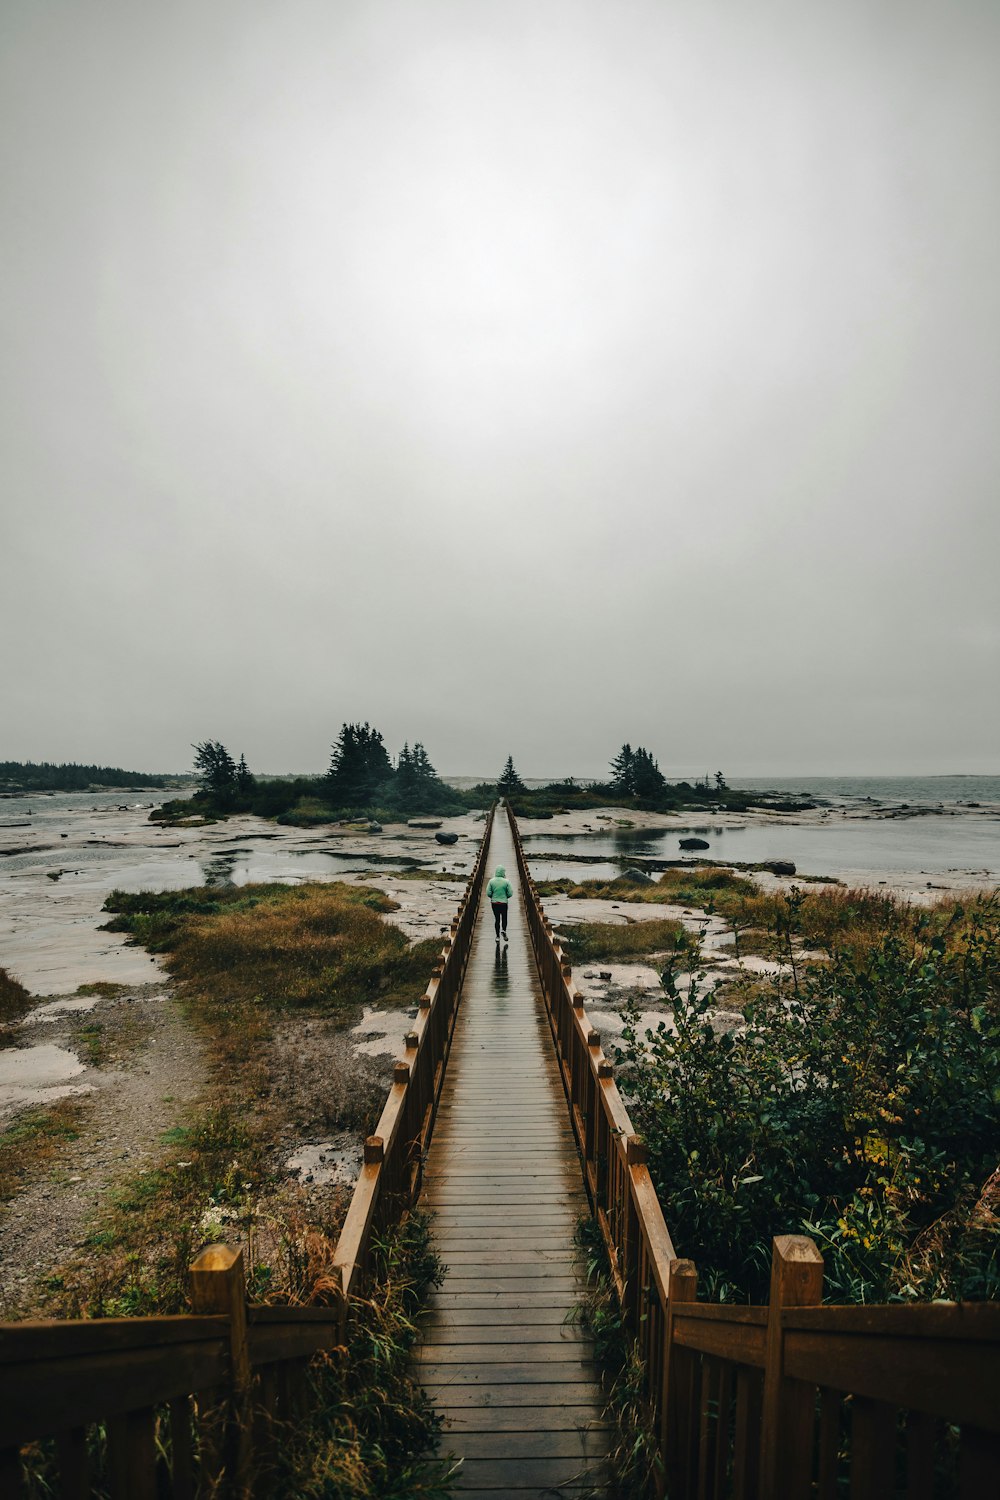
<point x="359" y="766"/>
<point x="623" y="772"/>
<point x="217" y="771"/>
<point x="510" y="782"/>
<point x="648" y="780"/>
<point x="423" y="770"/>
<point x="245" y="780"/>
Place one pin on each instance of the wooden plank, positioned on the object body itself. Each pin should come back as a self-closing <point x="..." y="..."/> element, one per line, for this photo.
<point x="580" y="1443"/>
<point x="920" y="1441"/>
<point x="520" y="1334"/>
<point x="132" y="1456"/>
<point x="514" y="1474"/>
<point x="56" y="1394"/>
<point x="566" y="1416"/>
<point x="488" y="1317"/>
<point x="556" y="1371"/>
<point x="873" y="1450"/>
<point x="959" y="1386"/>
<point x="36" y="1340"/>
<point x="72" y="1460"/>
<point x="487" y="1353"/>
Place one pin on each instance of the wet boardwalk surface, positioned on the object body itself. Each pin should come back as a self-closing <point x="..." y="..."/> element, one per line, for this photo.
<point x="502" y="1356"/>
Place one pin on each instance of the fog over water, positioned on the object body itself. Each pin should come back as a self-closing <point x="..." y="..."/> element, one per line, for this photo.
<point x="521" y="377"/>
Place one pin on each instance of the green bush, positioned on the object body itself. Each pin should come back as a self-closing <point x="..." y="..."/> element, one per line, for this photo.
<point x="859" y="1104"/>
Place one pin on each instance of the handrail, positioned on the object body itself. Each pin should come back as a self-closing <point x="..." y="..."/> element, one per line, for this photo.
<point x="389" y="1180"/>
<point x="622" y="1196"/>
<point x="777" y="1402"/>
<point x="207" y="1388"/>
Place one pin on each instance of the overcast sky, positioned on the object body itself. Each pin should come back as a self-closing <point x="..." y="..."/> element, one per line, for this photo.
<point x="519" y="375"/>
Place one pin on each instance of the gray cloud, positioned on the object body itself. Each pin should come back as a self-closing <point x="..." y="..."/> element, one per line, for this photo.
<point x="520" y="376"/>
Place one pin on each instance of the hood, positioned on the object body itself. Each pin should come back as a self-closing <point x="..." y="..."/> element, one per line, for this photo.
<point x="501" y="873"/>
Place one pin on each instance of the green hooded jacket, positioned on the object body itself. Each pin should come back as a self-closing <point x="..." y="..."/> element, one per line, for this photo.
<point x="500" y="888"/>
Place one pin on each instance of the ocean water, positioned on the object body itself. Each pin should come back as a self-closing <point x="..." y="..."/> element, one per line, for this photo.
<point x="957" y="845"/>
<point x="886" y="789"/>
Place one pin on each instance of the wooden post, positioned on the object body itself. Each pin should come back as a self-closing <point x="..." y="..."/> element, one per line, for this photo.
<point x="678" y="1425"/>
<point x="132" y="1455"/>
<point x="218" y="1285"/>
<point x="789" y="1406"/>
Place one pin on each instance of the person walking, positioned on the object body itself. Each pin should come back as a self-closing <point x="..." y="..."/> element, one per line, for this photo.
<point x="499" y="892"/>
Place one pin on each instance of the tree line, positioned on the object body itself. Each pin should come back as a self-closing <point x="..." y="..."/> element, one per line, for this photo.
<point x="363" y="780"/>
<point x="47" y="776"/>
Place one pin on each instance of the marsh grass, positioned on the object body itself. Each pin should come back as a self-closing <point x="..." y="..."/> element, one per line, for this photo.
<point x="279" y="946"/>
<point x="14" y="998"/>
<point x="248" y="961"/>
<point x="589" y="942"/>
<point x="33" y="1138"/>
<point x="834" y="919"/>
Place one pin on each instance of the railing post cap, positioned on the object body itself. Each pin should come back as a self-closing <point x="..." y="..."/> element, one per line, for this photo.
<point x="605" y="1069"/>
<point x="577" y="1000"/>
<point x="374" y="1150"/>
<point x="636" y="1151"/>
<point x="411" y="1039"/>
<point x="216" y="1258"/>
<point x="593" y="1038"/>
<point x="401" y="1073"/>
<point x="425" y="1002"/>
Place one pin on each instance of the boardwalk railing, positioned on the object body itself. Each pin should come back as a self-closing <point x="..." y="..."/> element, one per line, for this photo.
<point x="786" y="1401"/>
<point x="186" y="1405"/>
<point x="390" y="1177"/>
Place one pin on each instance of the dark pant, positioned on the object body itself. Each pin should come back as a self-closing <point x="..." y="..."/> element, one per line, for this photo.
<point x="499" y="914"/>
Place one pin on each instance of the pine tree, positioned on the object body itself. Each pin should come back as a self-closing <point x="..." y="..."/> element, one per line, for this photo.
<point x="647" y="779"/>
<point x="510" y="782"/>
<point x="216" y="771"/>
<point x="245" y="781"/>
<point x="422" y="767"/>
<point x="359" y="766"/>
<point x="623" y="771"/>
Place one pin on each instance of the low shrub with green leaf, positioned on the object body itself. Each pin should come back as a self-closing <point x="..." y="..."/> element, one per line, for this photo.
<point x="859" y="1103"/>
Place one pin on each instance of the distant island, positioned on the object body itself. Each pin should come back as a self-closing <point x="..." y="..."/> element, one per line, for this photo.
<point x="45" y="776"/>
<point x="364" y="784"/>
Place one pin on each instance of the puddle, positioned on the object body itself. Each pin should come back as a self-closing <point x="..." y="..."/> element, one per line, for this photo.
<point x="381" y="1032"/>
<point x="37" y="1075"/>
<point x="327" y="1164"/>
<point x="57" y="1008"/>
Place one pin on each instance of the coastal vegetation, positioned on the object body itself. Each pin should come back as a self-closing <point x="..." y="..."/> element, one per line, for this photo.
<point x="363" y="784"/>
<point x="856" y="1098"/>
<point x="259" y="970"/>
<point x="14" y="998"/>
<point x="46" y="776"/>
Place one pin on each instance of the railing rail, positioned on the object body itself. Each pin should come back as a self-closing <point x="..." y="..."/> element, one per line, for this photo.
<point x="390" y="1178"/>
<point x="186" y="1405"/>
<point x="782" y="1402"/>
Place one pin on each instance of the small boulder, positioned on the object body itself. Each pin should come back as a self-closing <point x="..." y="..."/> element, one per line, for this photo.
<point x="694" y="843"/>
<point x="604" y="973"/>
<point x="423" y="823"/>
<point x="374" y="827"/>
<point x="446" y="838"/>
<point x="635" y="876"/>
<point x="780" y="867"/>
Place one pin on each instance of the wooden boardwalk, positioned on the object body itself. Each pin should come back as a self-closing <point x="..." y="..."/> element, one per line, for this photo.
<point x="501" y="1356"/>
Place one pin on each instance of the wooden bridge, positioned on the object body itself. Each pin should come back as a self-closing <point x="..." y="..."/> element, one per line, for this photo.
<point x="505" y="1119"/>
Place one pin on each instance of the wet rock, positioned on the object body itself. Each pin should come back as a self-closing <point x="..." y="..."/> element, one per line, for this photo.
<point x="423" y="822"/>
<point x="374" y="827"/>
<point x="635" y="876"/>
<point x="446" y="838"/>
<point x="694" y="843"/>
<point x="604" y="973"/>
<point x="780" y="867"/>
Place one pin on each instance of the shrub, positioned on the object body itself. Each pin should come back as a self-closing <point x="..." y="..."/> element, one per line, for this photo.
<point x="860" y="1103"/>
